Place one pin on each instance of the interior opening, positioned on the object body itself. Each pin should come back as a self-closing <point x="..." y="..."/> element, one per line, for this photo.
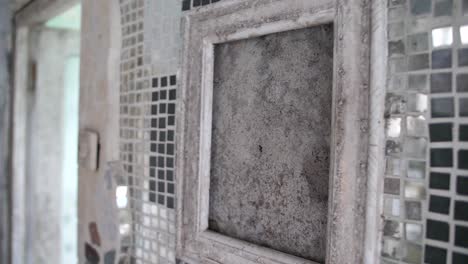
<point x="52" y="138"/>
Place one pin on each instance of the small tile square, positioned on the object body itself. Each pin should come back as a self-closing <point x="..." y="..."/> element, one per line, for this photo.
<point x="443" y="8"/>
<point x="441" y="157"/>
<point x="205" y="2"/>
<point x="196" y="3"/>
<point x="413" y="232"/>
<point x="461" y="210"/>
<point x="459" y="258"/>
<point x="464" y="7"/>
<point x="418" y="62"/>
<point x="463" y="159"/>
<point x="462" y="83"/>
<point x="417" y="82"/>
<point x="392" y="229"/>
<point x="441" y="132"/>
<point x="435" y="255"/>
<point x="442" y="59"/>
<point x="186" y="5"/>
<point x="463" y="133"/>
<point x="463" y="57"/>
<point x="442" y="107"/>
<point x="437" y="230"/>
<point x="172" y="80"/>
<point x="441" y="83"/>
<point x="439" y="204"/>
<point x="163" y="81"/>
<point x="420" y="7"/>
<point x="392" y="186"/>
<point x="418" y="42"/>
<point x="416" y="169"/>
<point x="413" y="210"/>
<point x="439" y="181"/>
<point x="155" y="82"/>
<point x="414" y="190"/>
<point x="461" y="236"/>
<point x="413" y="253"/>
<point x="396" y="48"/>
<point x="462" y="185"/>
<point x="463" y="105"/>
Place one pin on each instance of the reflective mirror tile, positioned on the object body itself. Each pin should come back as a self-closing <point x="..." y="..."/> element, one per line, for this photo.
<point x="442" y="107"/>
<point x="441" y="157"/>
<point x="442" y="37"/>
<point x="416" y="169"/>
<point x="462" y="82"/>
<point x="462" y="185"/>
<point x="463" y="57"/>
<point x="391" y="206"/>
<point x="459" y="258"/>
<point x="461" y="210"/>
<point x="415" y="147"/>
<point x="417" y="82"/>
<point x="440" y="181"/>
<point x="463" y="105"/>
<point x="435" y="255"/>
<point x="439" y="204"/>
<point x="418" y="42"/>
<point x="463" y="133"/>
<point x="417" y="103"/>
<point x="391" y="248"/>
<point x="416" y="126"/>
<point x="413" y="210"/>
<point x="464" y="34"/>
<point x="413" y="253"/>
<point x="442" y="59"/>
<point x="463" y="159"/>
<point x="419" y="7"/>
<point x="441" y="83"/>
<point x="415" y="190"/>
<point x="461" y="236"/>
<point x="437" y="230"/>
<point x="393" y="166"/>
<point x="440" y="132"/>
<point x="392" y="229"/>
<point x="443" y="8"/>
<point x="418" y="62"/>
<point x="393" y="127"/>
<point x="413" y="232"/>
<point x="392" y="186"/>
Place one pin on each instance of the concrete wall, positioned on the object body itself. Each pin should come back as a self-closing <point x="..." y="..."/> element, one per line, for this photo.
<point x="5" y="106"/>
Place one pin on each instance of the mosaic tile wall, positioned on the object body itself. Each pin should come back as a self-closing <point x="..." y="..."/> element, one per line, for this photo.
<point x="147" y="127"/>
<point x="426" y="178"/>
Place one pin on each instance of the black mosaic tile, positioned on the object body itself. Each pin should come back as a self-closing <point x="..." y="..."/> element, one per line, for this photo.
<point x="459" y="258"/>
<point x="442" y="107"/>
<point x="462" y="185"/>
<point x="463" y="159"/>
<point x="162" y="136"/>
<point x="170" y="202"/>
<point x="186" y="5"/>
<point x="461" y="210"/>
<point x="461" y="236"/>
<point x="172" y="80"/>
<point x="172" y="94"/>
<point x="442" y="59"/>
<point x="171" y="109"/>
<point x="161" y="199"/>
<point x="170" y="175"/>
<point x="442" y="157"/>
<point x="163" y="95"/>
<point x="439" y="204"/>
<point x="440" y="132"/>
<point x="155" y="82"/>
<point x="435" y="255"/>
<point x="462" y="83"/>
<point x="163" y="81"/>
<point x="441" y="82"/>
<point x="170" y="135"/>
<point x="437" y="230"/>
<point x="463" y="57"/>
<point x="170" y="188"/>
<point x="205" y="2"/>
<point x="196" y="3"/>
<point x="440" y="181"/>
<point x="463" y="133"/>
<point x="463" y="106"/>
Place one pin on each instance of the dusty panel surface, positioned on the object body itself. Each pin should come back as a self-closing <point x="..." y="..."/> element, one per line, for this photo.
<point x="271" y="140"/>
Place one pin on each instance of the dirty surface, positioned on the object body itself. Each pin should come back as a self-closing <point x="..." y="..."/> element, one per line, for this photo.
<point x="271" y="140"/>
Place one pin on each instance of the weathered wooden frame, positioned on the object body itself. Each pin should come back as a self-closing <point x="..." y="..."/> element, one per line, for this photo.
<point x="236" y="19"/>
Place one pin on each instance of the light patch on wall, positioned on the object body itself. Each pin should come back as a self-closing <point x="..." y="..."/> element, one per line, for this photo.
<point x="70" y="19"/>
<point x="121" y="196"/>
<point x="442" y="37"/>
<point x="464" y="34"/>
